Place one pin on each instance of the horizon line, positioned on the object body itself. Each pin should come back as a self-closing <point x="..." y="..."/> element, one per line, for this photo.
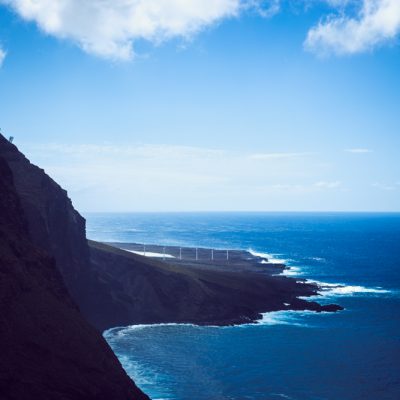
<point x="246" y="211"/>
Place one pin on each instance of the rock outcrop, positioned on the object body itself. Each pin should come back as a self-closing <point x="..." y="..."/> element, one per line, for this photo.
<point x="145" y="291"/>
<point x="53" y="223"/>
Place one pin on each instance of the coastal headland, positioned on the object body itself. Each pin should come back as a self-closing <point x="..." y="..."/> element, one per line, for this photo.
<point x="222" y="291"/>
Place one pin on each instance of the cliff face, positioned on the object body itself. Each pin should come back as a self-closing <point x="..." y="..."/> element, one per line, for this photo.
<point x="47" y="349"/>
<point x="56" y="227"/>
<point x="53" y="223"/>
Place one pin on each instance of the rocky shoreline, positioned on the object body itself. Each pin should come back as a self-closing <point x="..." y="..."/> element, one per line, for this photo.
<point x="203" y="291"/>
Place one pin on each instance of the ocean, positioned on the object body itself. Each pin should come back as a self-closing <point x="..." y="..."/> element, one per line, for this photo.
<point x="353" y="354"/>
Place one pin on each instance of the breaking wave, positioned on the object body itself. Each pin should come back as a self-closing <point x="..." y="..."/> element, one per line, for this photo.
<point x="339" y="289"/>
<point x="268" y="258"/>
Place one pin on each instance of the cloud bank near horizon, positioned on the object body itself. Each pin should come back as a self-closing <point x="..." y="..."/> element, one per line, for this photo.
<point x="109" y="177"/>
<point x="358" y="150"/>
<point x="110" y="28"/>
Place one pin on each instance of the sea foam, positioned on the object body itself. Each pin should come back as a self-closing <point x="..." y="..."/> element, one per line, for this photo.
<point x="292" y="271"/>
<point x="121" y="331"/>
<point x="268" y="258"/>
<point x="288" y="317"/>
<point x="341" y="289"/>
<point x="326" y="289"/>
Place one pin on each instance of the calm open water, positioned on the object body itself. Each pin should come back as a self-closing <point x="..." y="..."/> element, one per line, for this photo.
<point x="290" y="355"/>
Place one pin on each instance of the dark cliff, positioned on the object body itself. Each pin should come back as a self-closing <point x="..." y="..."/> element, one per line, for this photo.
<point x="57" y="228"/>
<point x="47" y="349"/>
<point x="53" y="223"/>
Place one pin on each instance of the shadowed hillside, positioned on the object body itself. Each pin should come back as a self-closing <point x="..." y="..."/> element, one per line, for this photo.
<point x="48" y="350"/>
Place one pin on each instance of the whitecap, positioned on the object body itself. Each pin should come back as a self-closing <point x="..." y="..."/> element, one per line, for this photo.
<point x="122" y="331"/>
<point x="288" y="317"/>
<point x="326" y="289"/>
<point x="341" y="289"/>
<point x="292" y="271"/>
<point x="268" y="258"/>
<point x="320" y="259"/>
<point x="282" y="395"/>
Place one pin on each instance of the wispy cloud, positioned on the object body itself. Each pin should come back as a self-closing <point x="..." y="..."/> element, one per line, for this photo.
<point x="277" y="156"/>
<point x="304" y="187"/>
<point x="328" y="185"/>
<point x="147" y="177"/>
<point x="2" y="56"/>
<point x="264" y="8"/>
<point x="140" y="152"/>
<point x="386" y="186"/>
<point x="358" y="150"/>
<point x="159" y="151"/>
<point x="377" y="22"/>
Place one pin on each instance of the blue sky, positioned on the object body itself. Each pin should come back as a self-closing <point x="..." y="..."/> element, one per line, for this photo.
<point x="250" y="105"/>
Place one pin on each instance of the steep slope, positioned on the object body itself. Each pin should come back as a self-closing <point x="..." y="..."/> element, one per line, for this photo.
<point x="47" y="349"/>
<point x="53" y="223"/>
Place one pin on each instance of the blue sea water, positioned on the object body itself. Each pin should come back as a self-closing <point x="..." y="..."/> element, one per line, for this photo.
<point x="354" y="354"/>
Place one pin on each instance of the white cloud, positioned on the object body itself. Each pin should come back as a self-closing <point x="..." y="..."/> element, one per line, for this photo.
<point x="2" y="56"/>
<point x="377" y="22"/>
<point x="109" y="28"/>
<point x="385" y="186"/>
<point x="265" y="8"/>
<point x="305" y="188"/>
<point x="328" y="185"/>
<point x="276" y="156"/>
<point x="358" y="151"/>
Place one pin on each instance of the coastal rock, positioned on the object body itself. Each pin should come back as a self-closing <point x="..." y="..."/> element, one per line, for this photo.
<point x="151" y="291"/>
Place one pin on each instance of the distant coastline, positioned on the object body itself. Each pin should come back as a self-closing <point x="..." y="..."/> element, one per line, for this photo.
<point x="273" y="289"/>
